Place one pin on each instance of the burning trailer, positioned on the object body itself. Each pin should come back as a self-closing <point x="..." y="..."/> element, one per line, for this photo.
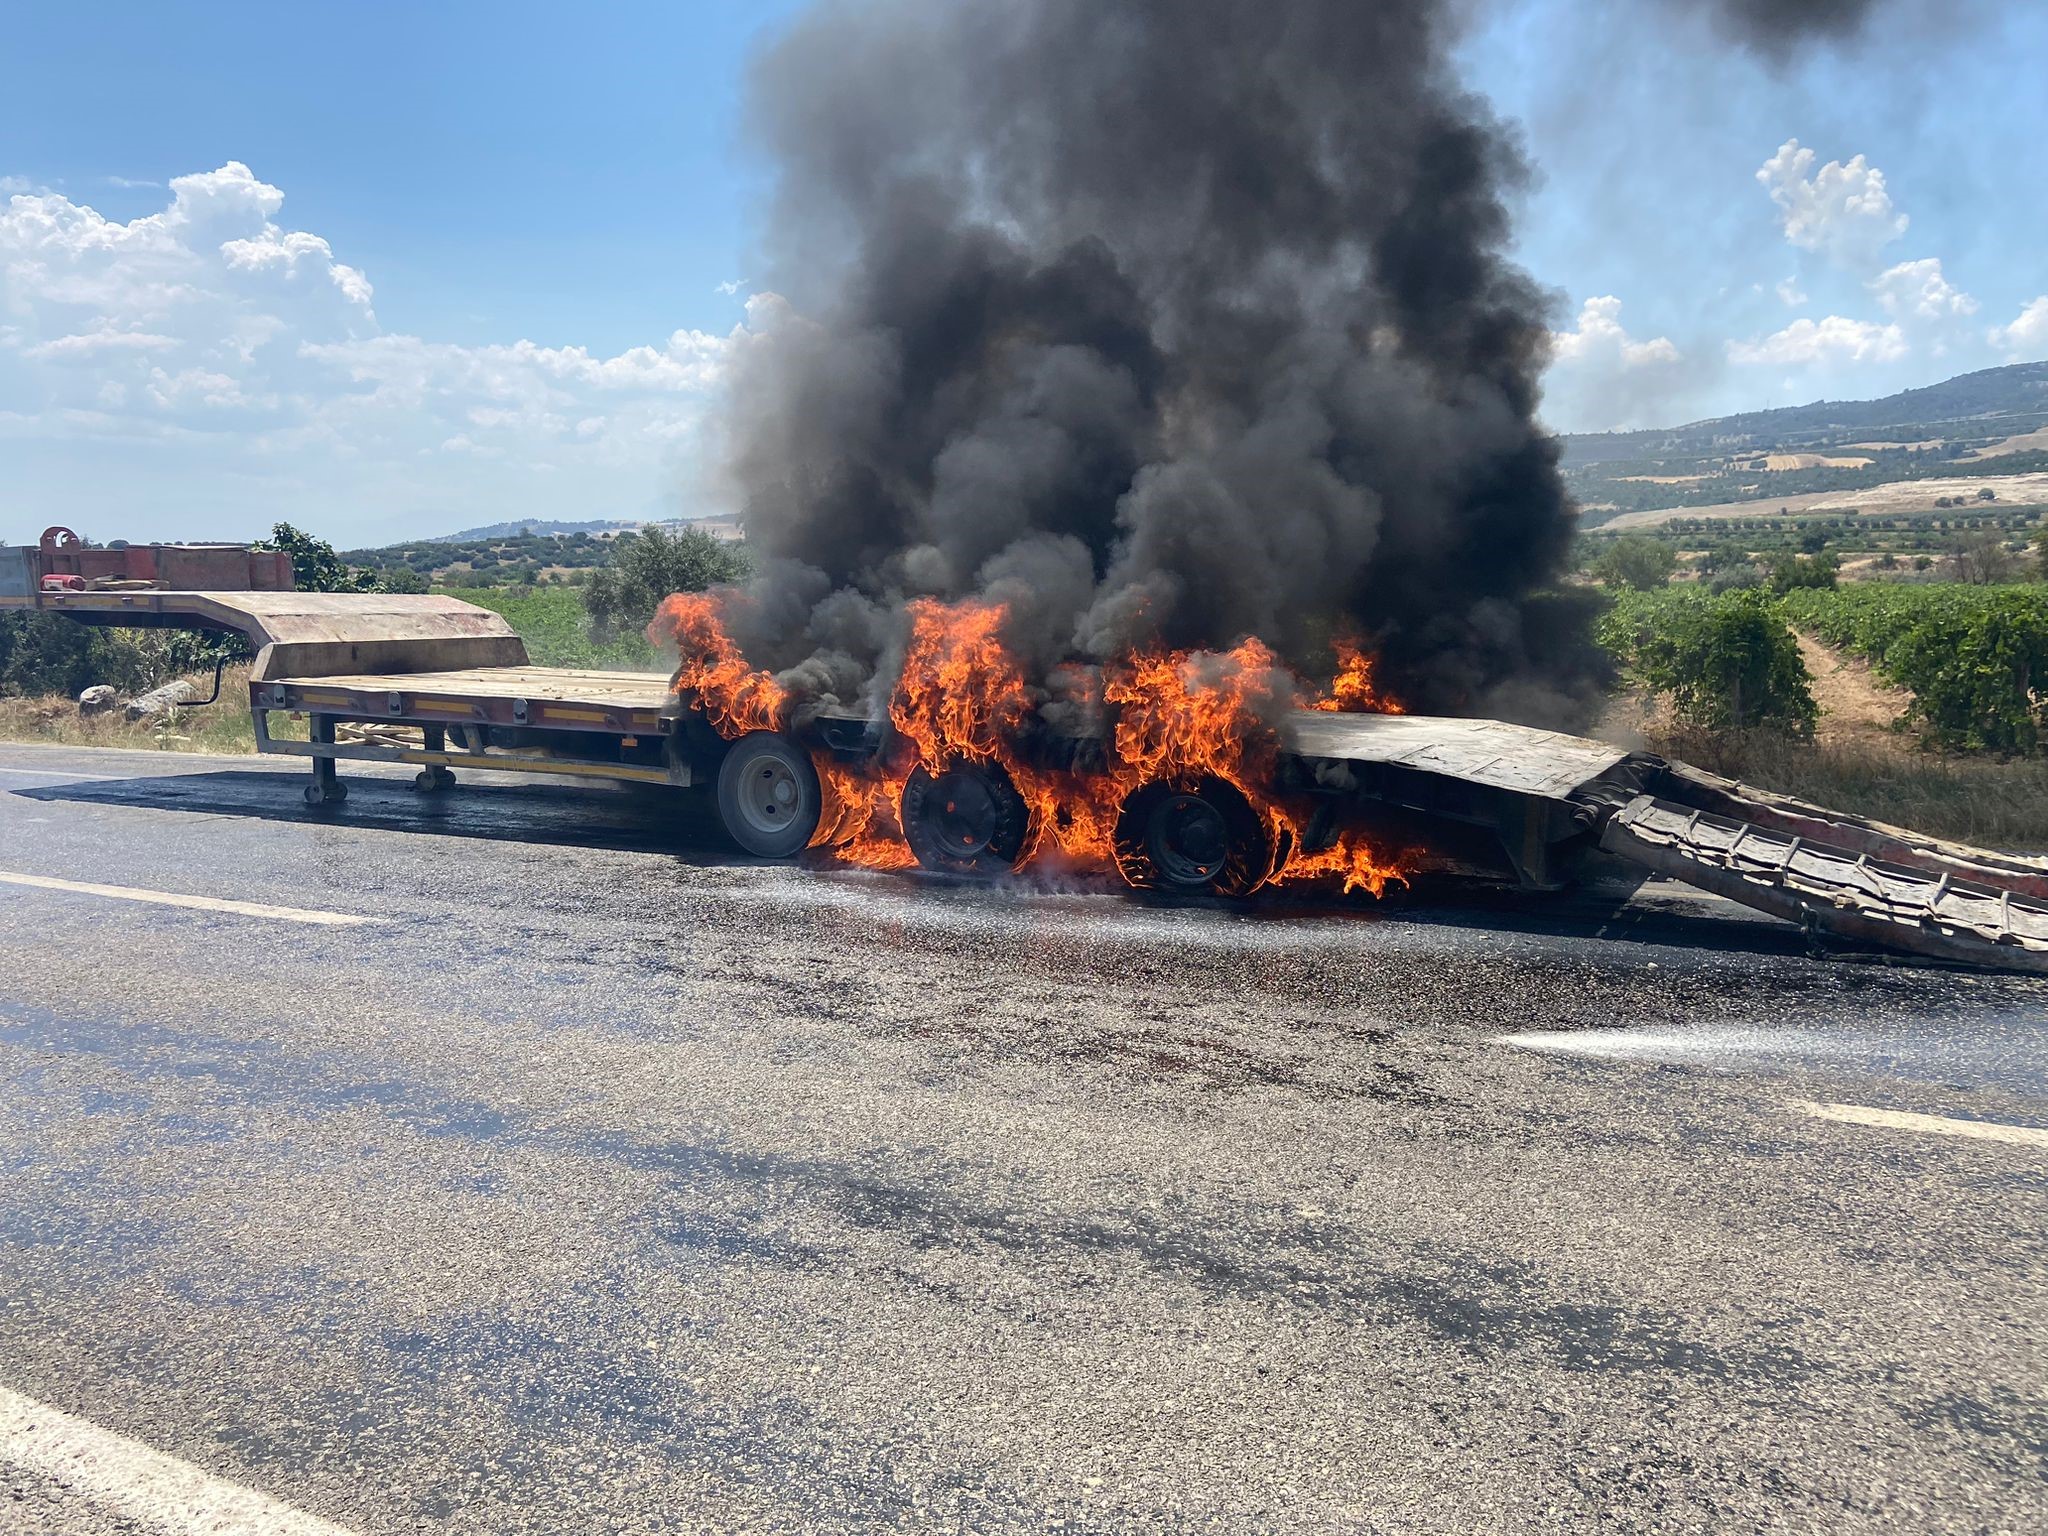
<point x="1196" y="773"/>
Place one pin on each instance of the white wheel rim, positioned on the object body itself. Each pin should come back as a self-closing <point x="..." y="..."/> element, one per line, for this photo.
<point x="770" y="795"/>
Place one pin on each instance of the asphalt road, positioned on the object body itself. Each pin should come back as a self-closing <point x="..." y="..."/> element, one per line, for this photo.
<point x="603" y="1183"/>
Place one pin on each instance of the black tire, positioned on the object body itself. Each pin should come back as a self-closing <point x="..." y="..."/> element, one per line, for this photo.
<point x="1202" y="838"/>
<point x="333" y="794"/>
<point x="768" y="795"/>
<point x="966" y="820"/>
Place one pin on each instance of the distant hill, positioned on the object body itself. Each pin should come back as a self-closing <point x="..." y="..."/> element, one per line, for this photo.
<point x="1971" y="401"/>
<point x="1993" y="422"/>
<point x="535" y="526"/>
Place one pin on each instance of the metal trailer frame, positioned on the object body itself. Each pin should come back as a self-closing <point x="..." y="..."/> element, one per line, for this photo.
<point x="1506" y="801"/>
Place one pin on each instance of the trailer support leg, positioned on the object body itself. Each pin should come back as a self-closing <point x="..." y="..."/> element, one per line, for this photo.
<point x="326" y="788"/>
<point x="435" y="777"/>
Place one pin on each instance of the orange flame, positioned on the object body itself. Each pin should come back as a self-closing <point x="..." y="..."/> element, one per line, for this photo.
<point x="961" y="693"/>
<point x="735" y="697"/>
<point x="1356" y="691"/>
<point x="1180" y="716"/>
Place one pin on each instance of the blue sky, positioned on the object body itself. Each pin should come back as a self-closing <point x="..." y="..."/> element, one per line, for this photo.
<point x="429" y="266"/>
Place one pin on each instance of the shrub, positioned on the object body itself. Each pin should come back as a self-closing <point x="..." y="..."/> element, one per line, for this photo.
<point x="648" y="566"/>
<point x="1791" y="573"/>
<point x="1729" y="662"/>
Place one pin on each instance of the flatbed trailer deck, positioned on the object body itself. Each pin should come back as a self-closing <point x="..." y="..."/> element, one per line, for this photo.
<point x="1498" y="799"/>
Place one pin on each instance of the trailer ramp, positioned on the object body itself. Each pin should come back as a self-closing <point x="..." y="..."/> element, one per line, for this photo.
<point x="1934" y="906"/>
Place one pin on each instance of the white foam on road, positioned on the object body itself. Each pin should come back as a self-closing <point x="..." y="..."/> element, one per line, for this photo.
<point x="180" y="899"/>
<point x="127" y="1478"/>
<point x="1938" y="1125"/>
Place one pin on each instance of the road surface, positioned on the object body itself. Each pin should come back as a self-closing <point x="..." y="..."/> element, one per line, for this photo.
<point x="491" y="1163"/>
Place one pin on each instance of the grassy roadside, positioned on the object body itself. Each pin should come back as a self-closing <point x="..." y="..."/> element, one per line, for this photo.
<point x="1987" y="801"/>
<point x="551" y="620"/>
<point x="222" y="727"/>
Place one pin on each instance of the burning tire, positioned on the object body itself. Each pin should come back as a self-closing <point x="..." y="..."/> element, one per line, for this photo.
<point x="967" y="820"/>
<point x="1200" y="837"/>
<point x="768" y="795"/>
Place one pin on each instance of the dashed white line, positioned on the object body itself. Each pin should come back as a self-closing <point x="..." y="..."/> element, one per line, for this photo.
<point x="1938" y="1125"/>
<point x="179" y="899"/>
<point x="134" y="1480"/>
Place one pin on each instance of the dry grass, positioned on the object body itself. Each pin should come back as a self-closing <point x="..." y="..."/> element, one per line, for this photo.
<point x="218" y="728"/>
<point x="1980" y="800"/>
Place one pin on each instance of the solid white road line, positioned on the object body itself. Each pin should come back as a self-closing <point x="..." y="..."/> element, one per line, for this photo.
<point x="1939" y="1125"/>
<point x="127" y="1477"/>
<point x="59" y="773"/>
<point x="202" y="903"/>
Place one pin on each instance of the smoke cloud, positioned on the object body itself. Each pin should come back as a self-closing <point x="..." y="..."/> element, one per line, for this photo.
<point x="1163" y="322"/>
<point x="1790" y="21"/>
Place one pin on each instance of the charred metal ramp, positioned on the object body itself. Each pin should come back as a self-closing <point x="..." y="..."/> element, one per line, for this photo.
<point x="1927" y="911"/>
<point x="1552" y="798"/>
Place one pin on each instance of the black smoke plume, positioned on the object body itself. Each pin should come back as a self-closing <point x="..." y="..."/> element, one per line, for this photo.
<point x="1777" y="22"/>
<point x="1162" y="321"/>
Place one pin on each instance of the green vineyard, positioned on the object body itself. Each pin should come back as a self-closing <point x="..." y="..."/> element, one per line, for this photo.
<point x="1974" y="658"/>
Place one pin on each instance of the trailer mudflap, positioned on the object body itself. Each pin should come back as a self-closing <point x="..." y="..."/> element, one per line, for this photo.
<point x="1927" y="910"/>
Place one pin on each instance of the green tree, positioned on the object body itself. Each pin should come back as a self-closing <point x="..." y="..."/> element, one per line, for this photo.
<point x="1636" y="563"/>
<point x="315" y="565"/>
<point x="1981" y="559"/>
<point x="402" y="578"/>
<point x="647" y="566"/>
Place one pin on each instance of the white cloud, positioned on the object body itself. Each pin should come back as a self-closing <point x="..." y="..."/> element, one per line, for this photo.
<point x="9" y="185"/>
<point x="1600" y="333"/>
<point x="133" y="183"/>
<point x="733" y="285"/>
<point x="1790" y="294"/>
<point x="1843" y="210"/>
<point x="93" y="343"/>
<point x="239" y="358"/>
<point x="1836" y="339"/>
<point x="1919" y="290"/>
<point x="2026" y="339"/>
<point x="1602" y="378"/>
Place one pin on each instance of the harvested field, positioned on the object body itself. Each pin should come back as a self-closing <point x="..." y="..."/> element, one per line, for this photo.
<point x="1894" y="499"/>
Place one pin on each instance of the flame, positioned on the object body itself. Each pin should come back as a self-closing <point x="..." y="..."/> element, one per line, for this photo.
<point x="1180" y="716"/>
<point x="735" y="697"/>
<point x="858" y="825"/>
<point x="961" y="693"/>
<point x="1356" y="691"/>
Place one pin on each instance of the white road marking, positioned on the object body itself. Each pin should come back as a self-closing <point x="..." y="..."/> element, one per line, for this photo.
<point x="202" y="903"/>
<point x="129" y="1478"/>
<point x="59" y="773"/>
<point x="1939" y="1125"/>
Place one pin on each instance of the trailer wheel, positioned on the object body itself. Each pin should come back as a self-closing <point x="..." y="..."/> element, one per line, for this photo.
<point x="966" y="820"/>
<point x="768" y="796"/>
<point x="1200" y="837"/>
<point x="326" y="794"/>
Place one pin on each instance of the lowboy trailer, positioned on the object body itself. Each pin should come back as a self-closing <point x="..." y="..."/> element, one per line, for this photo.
<point x="1485" y="798"/>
